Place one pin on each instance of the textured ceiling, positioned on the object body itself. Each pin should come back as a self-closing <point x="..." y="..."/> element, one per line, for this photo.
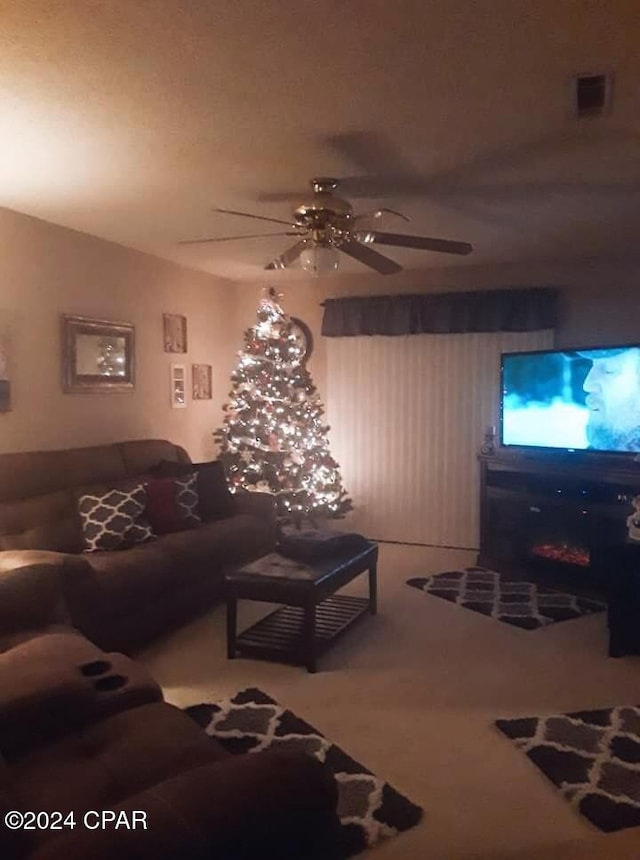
<point x="131" y="120"/>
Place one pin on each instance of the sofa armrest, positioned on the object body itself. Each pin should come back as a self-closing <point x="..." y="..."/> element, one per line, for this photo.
<point x="34" y="696"/>
<point x="261" y="505"/>
<point x="40" y="699"/>
<point x="256" y="805"/>
<point x="32" y="588"/>
<point x="11" y="559"/>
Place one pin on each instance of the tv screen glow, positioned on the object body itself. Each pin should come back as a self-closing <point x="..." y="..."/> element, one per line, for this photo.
<point x="582" y="399"/>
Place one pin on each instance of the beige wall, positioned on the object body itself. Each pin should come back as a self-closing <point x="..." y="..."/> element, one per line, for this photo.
<point x="598" y="298"/>
<point x="48" y="270"/>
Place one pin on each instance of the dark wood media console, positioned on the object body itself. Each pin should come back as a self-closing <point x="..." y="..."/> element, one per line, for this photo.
<point x="558" y="519"/>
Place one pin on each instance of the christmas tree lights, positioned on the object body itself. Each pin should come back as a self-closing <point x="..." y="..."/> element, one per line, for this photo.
<point x="273" y="437"/>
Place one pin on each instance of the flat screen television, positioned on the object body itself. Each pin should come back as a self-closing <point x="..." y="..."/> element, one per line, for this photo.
<point x="572" y="399"/>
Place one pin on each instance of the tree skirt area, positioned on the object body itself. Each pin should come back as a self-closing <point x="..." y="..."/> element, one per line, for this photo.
<point x="592" y="757"/>
<point x="369" y="808"/>
<point x="522" y="604"/>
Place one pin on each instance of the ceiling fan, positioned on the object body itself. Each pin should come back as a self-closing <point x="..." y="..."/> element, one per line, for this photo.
<point x="325" y="224"/>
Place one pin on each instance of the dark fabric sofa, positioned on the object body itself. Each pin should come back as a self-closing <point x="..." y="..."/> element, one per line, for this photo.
<point x="121" y="599"/>
<point x="83" y="731"/>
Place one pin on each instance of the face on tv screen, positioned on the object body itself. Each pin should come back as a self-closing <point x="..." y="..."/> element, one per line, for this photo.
<point x="584" y="399"/>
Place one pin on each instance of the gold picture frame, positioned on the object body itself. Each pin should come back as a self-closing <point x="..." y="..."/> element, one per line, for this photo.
<point x="98" y="356"/>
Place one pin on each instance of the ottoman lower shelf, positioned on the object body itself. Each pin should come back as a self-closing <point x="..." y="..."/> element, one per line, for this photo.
<point x="279" y="635"/>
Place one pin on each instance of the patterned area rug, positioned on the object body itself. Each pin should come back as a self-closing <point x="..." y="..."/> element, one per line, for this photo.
<point x="522" y="604"/>
<point x="593" y="757"/>
<point x="369" y="808"/>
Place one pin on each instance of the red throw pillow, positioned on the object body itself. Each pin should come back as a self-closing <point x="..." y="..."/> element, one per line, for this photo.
<point x="163" y="511"/>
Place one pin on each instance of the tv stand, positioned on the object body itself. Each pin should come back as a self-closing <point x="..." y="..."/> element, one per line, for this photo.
<point x="556" y="519"/>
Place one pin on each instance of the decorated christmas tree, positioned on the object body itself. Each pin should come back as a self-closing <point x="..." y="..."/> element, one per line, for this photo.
<point x="273" y="437"/>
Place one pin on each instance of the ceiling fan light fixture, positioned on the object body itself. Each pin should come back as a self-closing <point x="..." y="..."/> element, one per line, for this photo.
<point x="318" y="259"/>
<point x="325" y="227"/>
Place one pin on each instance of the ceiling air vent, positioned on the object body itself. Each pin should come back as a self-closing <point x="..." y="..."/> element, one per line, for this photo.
<point x="592" y="94"/>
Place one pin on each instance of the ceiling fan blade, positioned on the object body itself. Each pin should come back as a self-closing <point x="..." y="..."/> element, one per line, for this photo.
<point x="369" y="257"/>
<point x="287" y="257"/>
<point x="424" y="243"/>
<point x="233" y="238"/>
<point x="379" y="213"/>
<point x="250" y="215"/>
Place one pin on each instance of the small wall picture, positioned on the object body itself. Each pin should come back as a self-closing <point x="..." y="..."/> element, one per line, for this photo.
<point x="178" y="386"/>
<point x="201" y="381"/>
<point x="175" y="332"/>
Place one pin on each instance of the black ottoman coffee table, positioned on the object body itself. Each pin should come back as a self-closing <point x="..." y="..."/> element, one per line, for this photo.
<point x="312" y="616"/>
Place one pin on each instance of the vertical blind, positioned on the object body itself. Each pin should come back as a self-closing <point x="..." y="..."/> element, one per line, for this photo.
<point x="408" y="416"/>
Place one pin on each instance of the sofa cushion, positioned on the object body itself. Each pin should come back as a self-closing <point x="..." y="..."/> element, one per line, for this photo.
<point x="33" y="473"/>
<point x="57" y="643"/>
<point x="216" y="501"/>
<point x="114" y="519"/>
<point x="111" y="759"/>
<point x="141" y="455"/>
<point x="229" y="541"/>
<point x="121" y="582"/>
<point x="48" y="521"/>
<point x="101" y="464"/>
<point x="31" y="596"/>
<point x="36" y="472"/>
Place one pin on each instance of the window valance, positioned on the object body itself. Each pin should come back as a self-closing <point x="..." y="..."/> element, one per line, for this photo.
<point x="530" y="309"/>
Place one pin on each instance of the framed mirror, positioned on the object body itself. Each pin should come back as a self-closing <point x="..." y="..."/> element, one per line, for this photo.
<point x="97" y="355"/>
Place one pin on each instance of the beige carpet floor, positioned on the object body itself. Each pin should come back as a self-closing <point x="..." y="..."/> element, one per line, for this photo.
<point x="412" y="694"/>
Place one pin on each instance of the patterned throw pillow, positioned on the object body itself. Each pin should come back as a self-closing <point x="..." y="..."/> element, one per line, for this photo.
<point x="114" y="519"/>
<point x="187" y="498"/>
<point x="170" y="505"/>
<point x="216" y="501"/>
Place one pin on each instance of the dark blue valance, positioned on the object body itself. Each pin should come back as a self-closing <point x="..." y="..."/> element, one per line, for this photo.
<point x="530" y="309"/>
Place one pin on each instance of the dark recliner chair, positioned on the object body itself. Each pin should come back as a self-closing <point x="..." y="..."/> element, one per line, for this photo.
<point x="83" y="730"/>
